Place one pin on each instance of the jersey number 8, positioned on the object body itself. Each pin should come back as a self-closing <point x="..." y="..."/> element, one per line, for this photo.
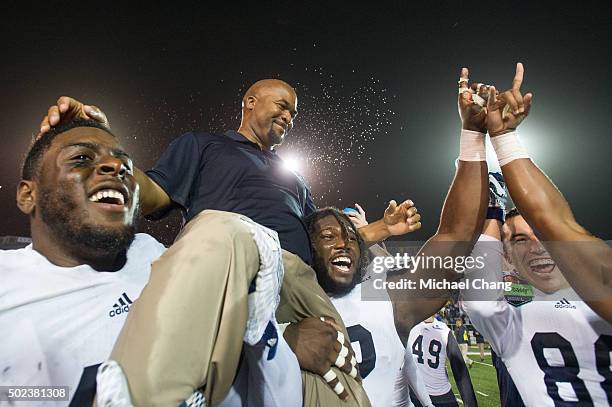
<point x="568" y="373"/>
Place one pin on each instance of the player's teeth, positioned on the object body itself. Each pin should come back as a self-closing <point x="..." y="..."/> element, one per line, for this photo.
<point x="542" y="262"/>
<point x="107" y="193"/>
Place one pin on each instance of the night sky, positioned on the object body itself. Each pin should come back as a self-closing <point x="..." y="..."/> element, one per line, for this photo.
<point x="376" y="88"/>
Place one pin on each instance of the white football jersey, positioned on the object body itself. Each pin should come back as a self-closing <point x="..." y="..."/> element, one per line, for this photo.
<point x="556" y="350"/>
<point x="377" y="346"/>
<point x="427" y="344"/>
<point x="57" y="320"/>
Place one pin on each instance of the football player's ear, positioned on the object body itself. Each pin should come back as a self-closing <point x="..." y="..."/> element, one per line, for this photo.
<point x="26" y="196"/>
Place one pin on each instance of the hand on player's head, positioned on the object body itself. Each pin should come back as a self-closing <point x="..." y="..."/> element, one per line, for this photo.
<point x="506" y="110"/>
<point x="357" y="217"/>
<point x="67" y="109"/>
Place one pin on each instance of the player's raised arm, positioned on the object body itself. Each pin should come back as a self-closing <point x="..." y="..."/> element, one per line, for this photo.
<point x="461" y="219"/>
<point x="152" y="197"/>
<point x="587" y="261"/>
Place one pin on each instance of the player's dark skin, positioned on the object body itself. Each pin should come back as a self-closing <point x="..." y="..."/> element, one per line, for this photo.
<point x="312" y="340"/>
<point x="331" y="242"/>
<point x="78" y="163"/>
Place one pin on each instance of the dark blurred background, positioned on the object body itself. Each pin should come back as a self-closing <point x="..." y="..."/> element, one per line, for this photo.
<point x="376" y="85"/>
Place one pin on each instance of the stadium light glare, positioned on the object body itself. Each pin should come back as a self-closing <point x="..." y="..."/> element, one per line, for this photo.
<point x="291" y="164"/>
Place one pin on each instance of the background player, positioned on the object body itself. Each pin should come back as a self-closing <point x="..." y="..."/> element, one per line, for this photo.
<point x="480" y="342"/>
<point x="431" y="344"/>
<point x="463" y="339"/>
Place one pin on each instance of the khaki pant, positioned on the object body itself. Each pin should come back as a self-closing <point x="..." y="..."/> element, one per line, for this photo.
<point x="185" y="331"/>
<point x="303" y="297"/>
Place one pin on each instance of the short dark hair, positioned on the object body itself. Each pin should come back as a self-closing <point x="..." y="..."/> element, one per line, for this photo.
<point x="346" y="225"/>
<point x="512" y="213"/>
<point x="31" y="163"/>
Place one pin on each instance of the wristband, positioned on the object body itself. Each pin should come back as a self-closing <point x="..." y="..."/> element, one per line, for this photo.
<point x="495" y="213"/>
<point x="508" y="148"/>
<point x="472" y="146"/>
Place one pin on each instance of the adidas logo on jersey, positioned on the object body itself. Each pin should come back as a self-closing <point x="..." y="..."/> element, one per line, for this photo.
<point x="564" y="303"/>
<point x="121" y="306"/>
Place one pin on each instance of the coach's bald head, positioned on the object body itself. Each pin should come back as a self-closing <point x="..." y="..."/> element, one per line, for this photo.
<point x="268" y="109"/>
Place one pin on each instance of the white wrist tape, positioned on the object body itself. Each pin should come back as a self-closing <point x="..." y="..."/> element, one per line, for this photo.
<point x="472" y="146"/>
<point x="329" y="376"/>
<point x="339" y="388"/>
<point x="478" y="100"/>
<point x="508" y="148"/>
